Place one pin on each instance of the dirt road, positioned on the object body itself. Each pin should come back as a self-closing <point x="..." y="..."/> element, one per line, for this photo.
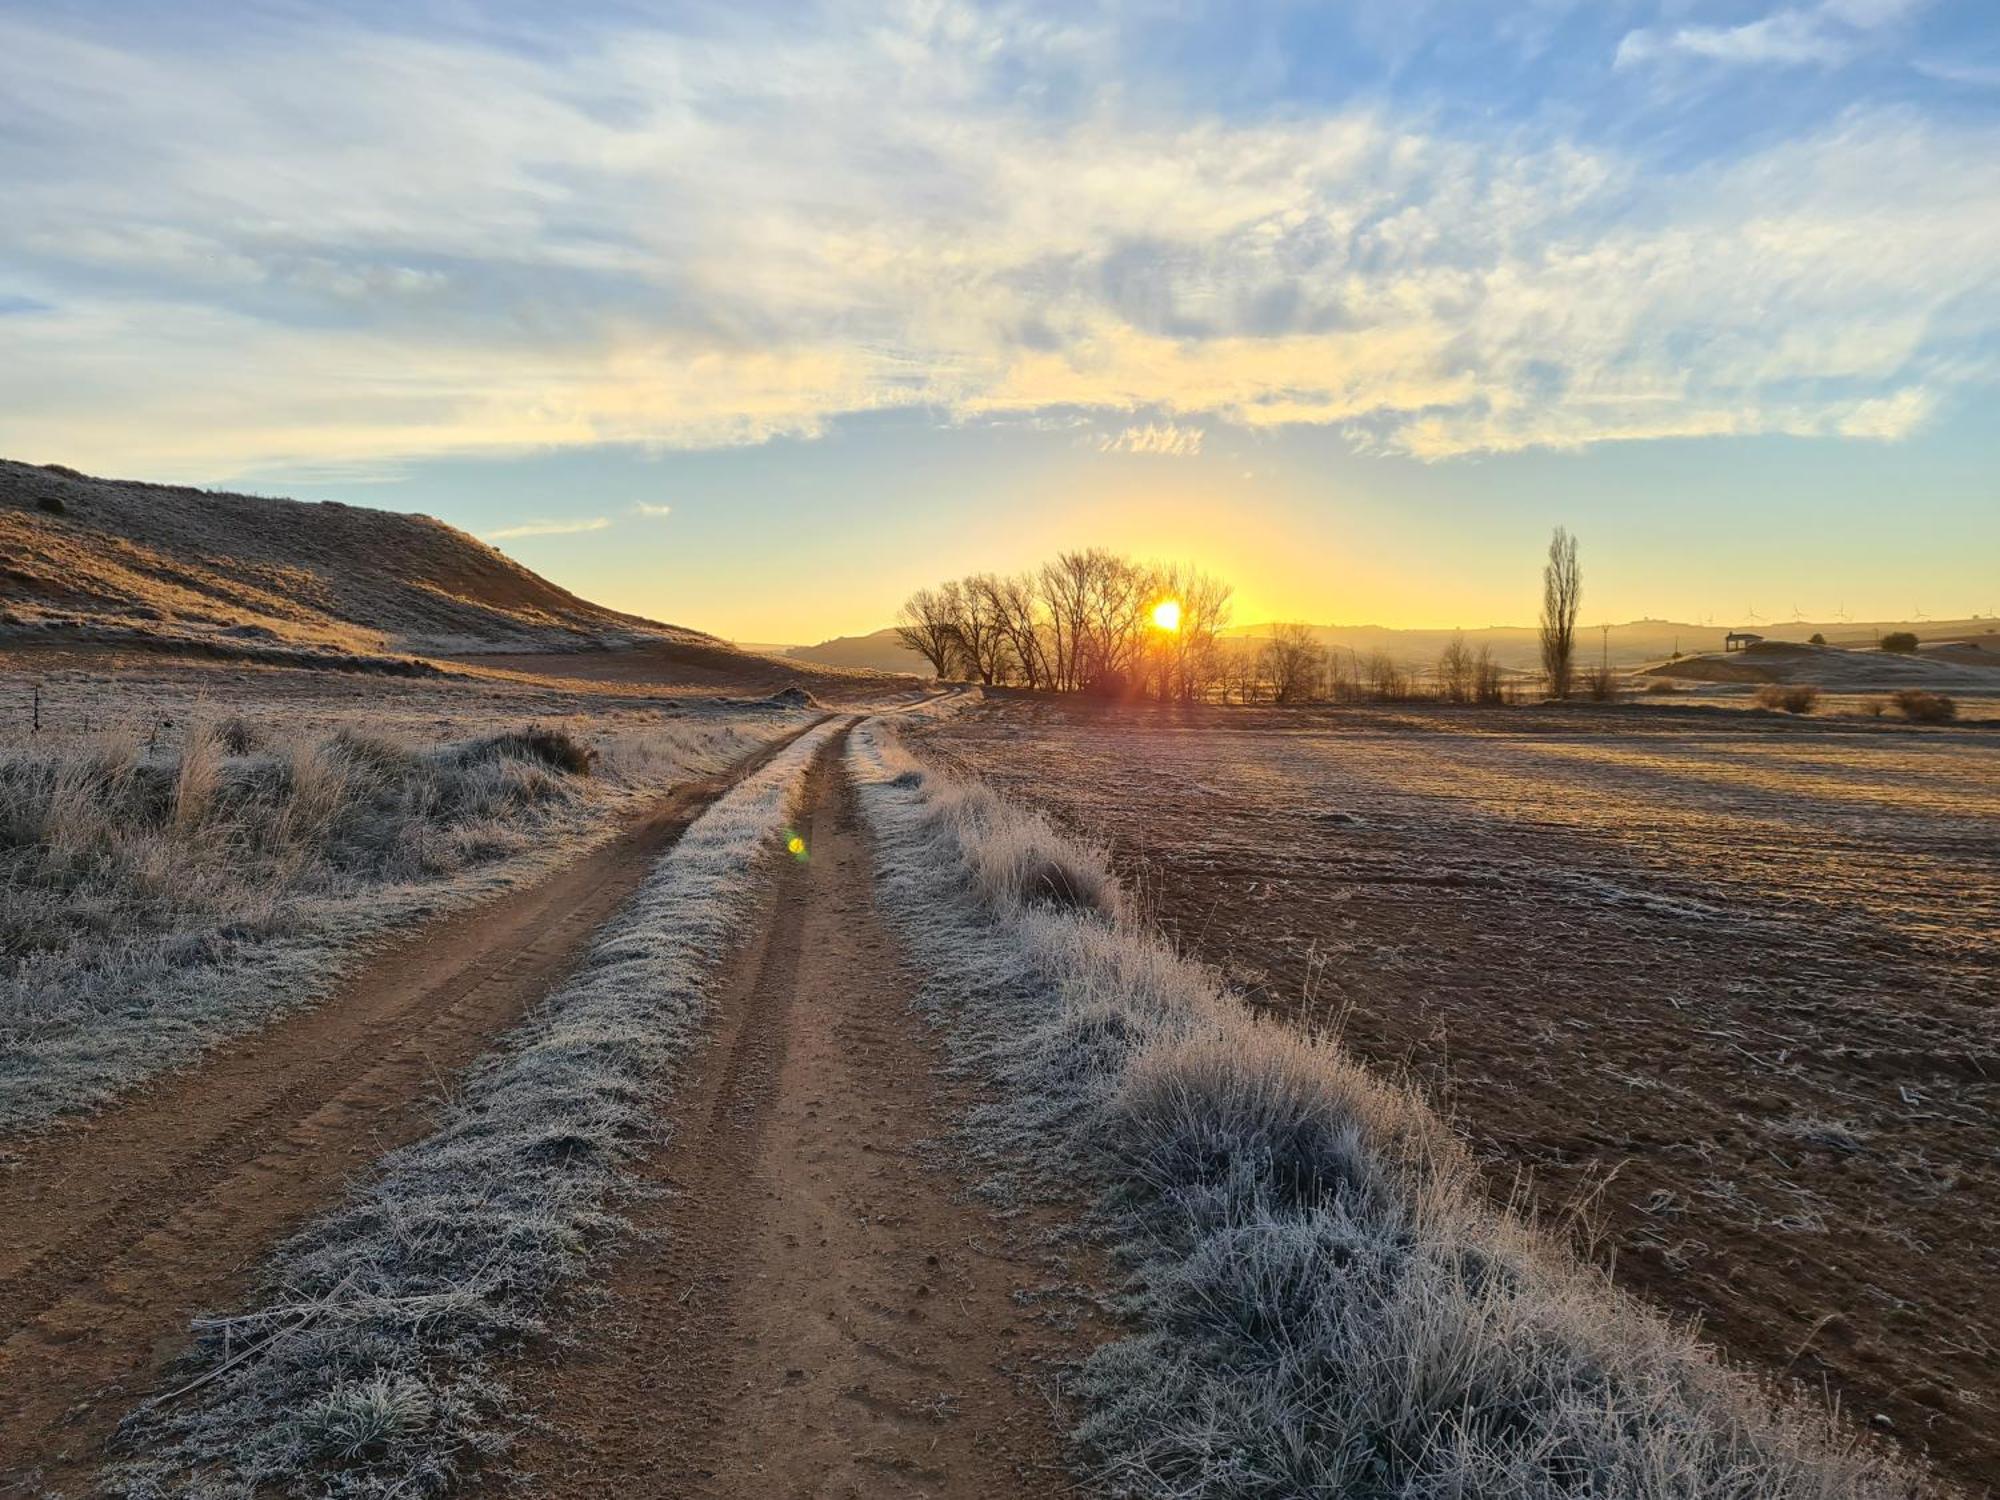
<point x="119" y="1228"/>
<point x="817" y="1310"/>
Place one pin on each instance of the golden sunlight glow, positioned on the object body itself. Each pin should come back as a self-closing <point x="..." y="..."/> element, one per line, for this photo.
<point x="1167" y="614"/>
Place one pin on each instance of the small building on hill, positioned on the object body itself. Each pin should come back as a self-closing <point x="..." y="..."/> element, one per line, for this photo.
<point x="1738" y="640"/>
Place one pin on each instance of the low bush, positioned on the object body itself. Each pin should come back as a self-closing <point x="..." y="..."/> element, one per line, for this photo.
<point x="1659" y="687"/>
<point x="1921" y="707"/>
<point x="1903" y="641"/>
<point x="1791" y="697"/>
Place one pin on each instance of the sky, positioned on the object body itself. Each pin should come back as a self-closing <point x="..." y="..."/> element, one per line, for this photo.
<point x="754" y="317"/>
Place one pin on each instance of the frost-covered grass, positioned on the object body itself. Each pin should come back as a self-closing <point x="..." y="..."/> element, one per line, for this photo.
<point x="367" y="1367"/>
<point x="1322" y="1299"/>
<point x="157" y="901"/>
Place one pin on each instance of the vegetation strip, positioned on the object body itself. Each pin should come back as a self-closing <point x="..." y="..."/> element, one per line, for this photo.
<point x="1322" y="1300"/>
<point x="162" y="900"/>
<point x="367" y="1368"/>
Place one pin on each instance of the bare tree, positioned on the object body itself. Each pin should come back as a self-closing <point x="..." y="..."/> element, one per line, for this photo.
<point x="1455" y="671"/>
<point x="1486" y="680"/>
<point x="1064" y="588"/>
<point x="980" y="631"/>
<point x="1562" y="591"/>
<point x="1117" y="595"/>
<point x="1013" y="603"/>
<point x="928" y="624"/>
<point x="1291" y="662"/>
<point x="1387" y="681"/>
<point x="1191" y="651"/>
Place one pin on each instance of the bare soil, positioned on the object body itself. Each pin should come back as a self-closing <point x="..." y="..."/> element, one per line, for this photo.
<point x="119" y="1228"/>
<point x="815" y="1308"/>
<point x="1721" y="987"/>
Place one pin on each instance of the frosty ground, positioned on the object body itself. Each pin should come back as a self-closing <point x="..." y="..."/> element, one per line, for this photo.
<point x="1718" y="984"/>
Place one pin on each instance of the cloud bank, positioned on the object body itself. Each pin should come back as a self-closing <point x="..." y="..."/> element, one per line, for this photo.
<point x="310" y="240"/>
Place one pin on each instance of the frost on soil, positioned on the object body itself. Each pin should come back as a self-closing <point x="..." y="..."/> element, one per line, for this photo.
<point x="1321" y="1300"/>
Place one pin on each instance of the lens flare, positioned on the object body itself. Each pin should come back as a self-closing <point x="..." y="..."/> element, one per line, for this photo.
<point x="1167" y="614"/>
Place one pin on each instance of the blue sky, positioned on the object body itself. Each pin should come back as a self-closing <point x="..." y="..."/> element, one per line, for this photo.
<point x="754" y="317"/>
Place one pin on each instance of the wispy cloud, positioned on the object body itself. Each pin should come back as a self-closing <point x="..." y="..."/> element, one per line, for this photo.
<point x="1164" y="438"/>
<point x="650" y="511"/>
<point x="548" y="528"/>
<point x="305" y="240"/>
<point x="1827" y="34"/>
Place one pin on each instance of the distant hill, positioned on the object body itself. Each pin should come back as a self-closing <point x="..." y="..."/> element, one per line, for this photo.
<point x="168" y="561"/>
<point x="881" y="651"/>
<point x="1632" y="644"/>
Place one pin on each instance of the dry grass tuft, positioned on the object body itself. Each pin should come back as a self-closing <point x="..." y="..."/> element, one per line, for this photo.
<point x="557" y="749"/>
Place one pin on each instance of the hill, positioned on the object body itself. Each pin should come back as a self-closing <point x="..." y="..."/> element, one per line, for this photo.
<point x="1966" y="664"/>
<point x="120" y="559"/>
<point x="879" y="651"/>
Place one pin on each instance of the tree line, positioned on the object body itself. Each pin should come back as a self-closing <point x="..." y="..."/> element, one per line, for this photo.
<point x="1091" y="622"/>
<point x="1084" y="623"/>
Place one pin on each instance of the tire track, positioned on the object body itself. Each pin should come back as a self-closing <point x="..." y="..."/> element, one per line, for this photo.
<point x="121" y="1228"/>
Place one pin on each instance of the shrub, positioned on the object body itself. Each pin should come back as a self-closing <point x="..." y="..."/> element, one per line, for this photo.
<point x="1904" y="641"/>
<point x="1660" y="685"/>
<point x="1792" y="697"/>
<point x="1920" y="707"/>
<point x="239" y="736"/>
<point x="1602" y="685"/>
<point x="1875" y="707"/>
<point x="1815" y="639"/>
<point x="557" y="749"/>
<point x="52" y="505"/>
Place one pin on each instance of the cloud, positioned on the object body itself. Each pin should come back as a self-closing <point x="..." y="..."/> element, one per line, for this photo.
<point x="304" y="241"/>
<point x="651" y="511"/>
<point x="1971" y="75"/>
<point x="548" y="528"/>
<point x="1162" y="438"/>
<point x="1828" y="34"/>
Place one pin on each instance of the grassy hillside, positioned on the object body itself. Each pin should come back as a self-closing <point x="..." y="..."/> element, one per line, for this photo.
<point x="166" y="560"/>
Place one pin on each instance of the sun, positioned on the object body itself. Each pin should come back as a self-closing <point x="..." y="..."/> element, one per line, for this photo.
<point x="1167" y="614"/>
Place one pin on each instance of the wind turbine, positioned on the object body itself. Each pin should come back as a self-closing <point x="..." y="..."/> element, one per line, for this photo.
<point x="1750" y="613"/>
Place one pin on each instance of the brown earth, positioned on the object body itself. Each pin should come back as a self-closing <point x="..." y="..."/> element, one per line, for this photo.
<point x="1721" y="984"/>
<point x="119" y="1228"/>
<point x="815" y="1310"/>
